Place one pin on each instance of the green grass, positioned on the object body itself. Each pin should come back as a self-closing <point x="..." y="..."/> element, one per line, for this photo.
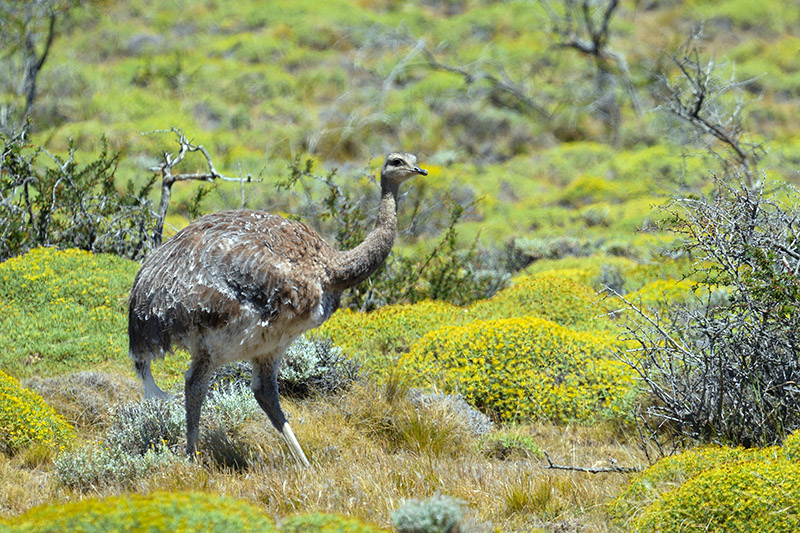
<point x="62" y="311"/>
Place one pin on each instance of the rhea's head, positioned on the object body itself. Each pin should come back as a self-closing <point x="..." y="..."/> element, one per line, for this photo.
<point x="399" y="167"/>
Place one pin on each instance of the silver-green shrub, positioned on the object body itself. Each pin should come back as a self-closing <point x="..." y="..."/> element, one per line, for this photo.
<point x="437" y="514"/>
<point x="139" y="427"/>
<point x="104" y="465"/>
<point x="231" y="407"/>
<point x="311" y="366"/>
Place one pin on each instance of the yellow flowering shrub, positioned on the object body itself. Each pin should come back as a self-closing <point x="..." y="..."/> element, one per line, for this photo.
<point x="156" y="512"/>
<point x="758" y="495"/>
<point x="26" y="419"/>
<point x="63" y="310"/>
<point x="327" y="523"/>
<point x="791" y="446"/>
<point x="716" y="488"/>
<point x="553" y="297"/>
<point x="523" y="368"/>
<point x="378" y="338"/>
<point x="381" y="337"/>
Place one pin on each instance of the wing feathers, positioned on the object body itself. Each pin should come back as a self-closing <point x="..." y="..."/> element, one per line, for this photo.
<point x="222" y="267"/>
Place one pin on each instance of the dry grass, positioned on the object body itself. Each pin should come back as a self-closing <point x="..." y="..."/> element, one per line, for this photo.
<point x="372" y="448"/>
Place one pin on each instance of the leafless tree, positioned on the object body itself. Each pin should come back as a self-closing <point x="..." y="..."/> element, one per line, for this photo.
<point x="585" y="26"/>
<point x="712" y="107"/>
<point x="724" y="365"/>
<point x="27" y="33"/>
<point x="168" y="178"/>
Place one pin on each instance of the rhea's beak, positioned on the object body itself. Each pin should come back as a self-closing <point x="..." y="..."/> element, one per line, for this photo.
<point x="421" y="171"/>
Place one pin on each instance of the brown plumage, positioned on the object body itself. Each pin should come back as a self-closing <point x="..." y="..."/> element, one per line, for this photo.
<point x="242" y="285"/>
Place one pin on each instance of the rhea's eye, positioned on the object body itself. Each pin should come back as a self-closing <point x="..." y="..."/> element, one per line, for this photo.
<point x="396" y="162"/>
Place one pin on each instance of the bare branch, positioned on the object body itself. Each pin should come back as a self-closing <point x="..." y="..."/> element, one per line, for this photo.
<point x="614" y="468"/>
<point x="168" y="179"/>
<point x="503" y="85"/>
<point x="695" y="97"/>
<point x="590" y="37"/>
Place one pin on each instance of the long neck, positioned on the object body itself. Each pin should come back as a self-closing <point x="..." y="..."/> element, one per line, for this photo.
<point x="354" y="266"/>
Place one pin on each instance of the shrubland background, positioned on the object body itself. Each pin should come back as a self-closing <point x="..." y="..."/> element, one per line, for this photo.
<point x="547" y="169"/>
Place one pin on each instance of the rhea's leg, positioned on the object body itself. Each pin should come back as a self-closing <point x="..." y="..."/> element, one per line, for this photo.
<point x="265" y="388"/>
<point x="151" y="390"/>
<point x="197" y="378"/>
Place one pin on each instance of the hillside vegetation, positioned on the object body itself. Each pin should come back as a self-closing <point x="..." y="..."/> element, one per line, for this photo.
<point x="545" y="272"/>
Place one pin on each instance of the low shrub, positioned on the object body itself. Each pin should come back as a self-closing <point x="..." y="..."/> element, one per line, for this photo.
<point x="509" y="445"/>
<point x="758" y="495"/>
<point x="437" y="514"/>
<point x="25" y="419"/>
<point x="588" y="190"/>
<point x="326" y="523"/>
<point x="552" y="297"/>
<point x="150" y="424"/>
<point x="231" y="406"/>
<point x="83" y="397"/>
<point x="716" y="488"/>
<point x="312" y="365"/>
<point x="316" y="366"/>
<point x="524" y="368"/>
<point x="158" y="511"/>
<point x="379" y="337"/>
<point x="104" y="465"/>
<point x="142" y="439"/>
<point x="671" y="472"/>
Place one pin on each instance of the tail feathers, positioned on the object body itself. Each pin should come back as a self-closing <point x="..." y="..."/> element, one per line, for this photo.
<point x="151" y="390"/>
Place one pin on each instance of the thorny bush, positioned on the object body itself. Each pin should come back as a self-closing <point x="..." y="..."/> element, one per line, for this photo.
<point x="46" y="200"/>
<point x="723" y="367"/>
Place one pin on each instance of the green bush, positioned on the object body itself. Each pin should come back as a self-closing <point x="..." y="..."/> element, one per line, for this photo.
<point x="588" y="190"/>
<point x="524" y="368"/>
<point x="758" y="495"/>
<point x="326" y="523"/>
<point x="26" y="419"/>
<point x="716" y="488"/>
<point x="61" y="204"/>
<point x="509" y="445"/>
<point x="552" y="297"/>
<point x="671" y="472"/>
<point x="153" y="513"/>
<point x="379" y="337"/>
<point x="63" y="310"/>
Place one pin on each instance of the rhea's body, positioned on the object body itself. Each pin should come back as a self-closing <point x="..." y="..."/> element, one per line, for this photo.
<point x="235" y="277"/>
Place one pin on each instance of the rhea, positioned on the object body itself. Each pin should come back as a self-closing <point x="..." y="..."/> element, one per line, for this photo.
<point x="242" y="285"/>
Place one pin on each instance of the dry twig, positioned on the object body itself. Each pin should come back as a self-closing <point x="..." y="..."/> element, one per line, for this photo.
<point x="614" y="468"/>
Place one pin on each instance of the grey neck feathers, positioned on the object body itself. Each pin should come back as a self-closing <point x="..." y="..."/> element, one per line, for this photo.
<point x="354" y="266"/>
